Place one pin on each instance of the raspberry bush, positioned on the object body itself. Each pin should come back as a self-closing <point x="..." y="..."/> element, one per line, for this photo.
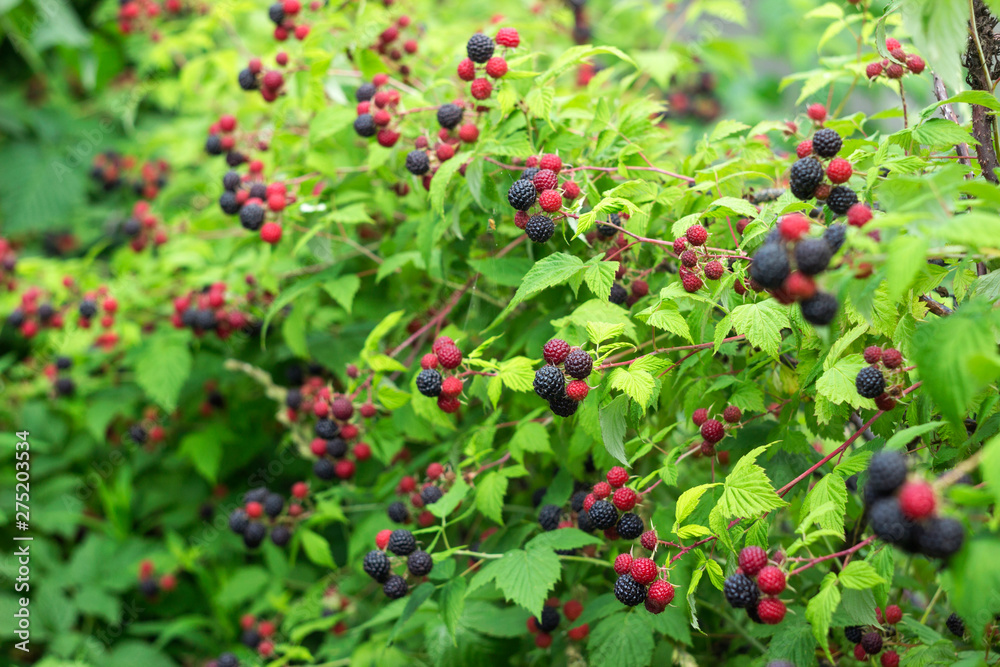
<point x="378" y="333"/>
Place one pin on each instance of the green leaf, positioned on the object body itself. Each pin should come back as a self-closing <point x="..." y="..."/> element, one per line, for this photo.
<point x="940" y="132"/>
<point x="453" y="603"/>
<point x="980" y="97"/>
<point x="204" y="450"/>
<point x="599" y="276"/>
<point x="668" y="317"/>
<point x="624" y="639"/>
<point x="688" y="501"/>
<point x="162" y="367"/>
<point x="529" y="437"/>
<point x="830" y="492"/>
<point x="392" y="398"/>
<point x="990" y="467"/>
<point x="820" y="610"/>
<point x="490" y="490"/>
<point x="517" y="374"/>
<point x="636" y="383"/>
<point x="975" y="578"/>
<point x="547" y="272"/>
<point x="837" y="383"/>
<point x="562" y="539"/>
<point x="598" y="332"/>
<point x="442" y="178"/>
<point x="761" y="323"/>
<point x="383" y="363"/>
<point x="382" y="329"/>
<point x="525" y="577"/>
<point x="130" y="652"/>
<point x="612" y="417"/>
<point x="317" y="548"/>
<point x="747" y="490"/>
<point x="417" y="597"/>
<point x="901" y="438"/>
<point x="860" y="575"/>
<point x="343" y="290"/>
<point x="450" y="500"/>
<point x="572" y="56"/>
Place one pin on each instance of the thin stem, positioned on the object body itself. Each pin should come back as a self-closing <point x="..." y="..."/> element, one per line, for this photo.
<point x="700" y="346"/>
<point x="845" y="552"/>
<point x="452" y="302"/>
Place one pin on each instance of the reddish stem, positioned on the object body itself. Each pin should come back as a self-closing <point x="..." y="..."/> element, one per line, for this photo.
<point x="700" y="346"/>
<point x="845" y="552"/>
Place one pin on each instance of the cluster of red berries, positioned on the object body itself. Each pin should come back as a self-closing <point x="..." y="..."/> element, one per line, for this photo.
<point x="481" y="60"/>
<point x="713" y="431"/>
<point x="693" y="98"/>
<point x="696" y="260"/>
<point x="753" y="577"/>
<point x="151" y="586"/>
<point x="562" y="381"/>
<point x="379" y="565"/>
<point x="149" y="430"/>
<point x="270" y="83"/>
<point x="263" y="509"/>
<point x="210" y="309"/>
<point x="896" y="67"/>
<point x="392" y="35"/>
<point x="418" y="495"/>
<point x="334" y="430"/>
<point x="143" y="228"/>
<point x="376" y="105"/>
<point x="287" y="19"/>
<point x="111" y="170"/>
<point x="431" y="383"/>
<point x="33" y="315"/>
<point x="640" y="582"/>
<point x="139" y="15"/>
<point x="544" y="626"/>
<point x="539" y="185"/>
<point x="254" y="201"/>
<point x="8" y="262"/>
<point x="883" y="379"/>
<point x="868" y="642"/>
<point x="599" y="509"/>
<point x="258" y="635"/>
<point x="424" y="160"/>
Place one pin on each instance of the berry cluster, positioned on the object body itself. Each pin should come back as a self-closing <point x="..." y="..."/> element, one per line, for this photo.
<point x="898" y="66"/>
<point x="480" y="60"/>
<point x="58" y="374"/>
<point x="35" y="314"/>
<point x="903" y="512"/>
<point x="270" y="83"/>
<point x="392" y="35"/>
<point x="376" y="104"/>
<point x="149" y="429"/>
<point x="333" y="428"/>
<point x="8" y="262"/>
<point x="695" y="259"/>
<point x="111" y="170"/>
<point x="430" y="382"/>
<point x="539" y="185"/>
<point x="287" y="18"/>
<point x="753" y="577"/>
<point x="149" y="585"/>
<point x="436" y="482"/>
<point x="262" y="509"/>
<point x="252" y="200"/>
<point x="787" y="264"/>
<point x="868" y="641"/>
<point x="871" y="381"/>
<point x="379" y="565"/>
<point x="543" y="626"/>
<point x="599" y="513"/>
<point x="713" y="431"/>
<point x="258" y="635"/>
<point x="551" y="379"/>
<point x="210" y="309"/>
<point x="806" y="179"/>
<point x="140" y="15"/>
<point x="693" y="98"/>
<point x="640" y="582"/>
<point x="143" y="228"/>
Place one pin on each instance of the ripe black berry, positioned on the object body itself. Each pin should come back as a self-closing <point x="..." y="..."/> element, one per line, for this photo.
<point x="522" y="195"/>
<point x="252" y="216"/>
<point x="549" y="620"/>
<point x="449" y="115"/>
<point x="941" y="537"/>
<point x="293" y="399"/>
<point x="805" y="177"/>
<point x="607" y="231"/>
<point x="326" y="429"/>
<point x="871" y="642"/>
<point x="235" y="158"/>
<point x="231" y="181"/>
<point x="889" y="523"/>
<point x="629" y="591"/>
<point x="255" y="495"/>
<point x="213" y="145"/>
<point x="886" y="473"/>
<point x="563" y="406"/>
<point x="770" y="265"/>
<point x="539" y="228"/>
<point x="395" y="587"/>
<point x="870" y="382"/>
<point x="841" y="199"/>
<point x="812" y="256"/>
<point x="281" y="535"/>
<point x="576" y="500"/>
<point x="323" y="469"/>
<point x="130" y="227"/>
<point x="431" y="495"/>
<point x="955" y="625"/>
<point x="618" y="294"/>
<point x="548" y="517"/>
<point x="834" y="235"/>
<point x="227" y="659"/>
<point x="853" y="633"/>
<point x="273" y="504"/>
<point x="397" y="512"/>
<point x="480" y="48"/>
<point x="250" y="638"/>
<point x="603" y="515"/>
<point x="820" y="309"/>
<point x="365" y="92"/>
<point x="417" y="162"/>
<point x="336" y="447"/>
<point x="87" y="309"/>
<point x="402" y="542"/>
<point x="65" y="387"/>
<point x="238" y="521"/>
<point x="376" y="565"/>
<point x="740" y="591"/>
<point x="429" y="383"/>
<point x="630" y="526"/>
<point x="137" y="433"/>
<point x="254" y="534"/>
<point x="63" y="363"/>
<point x="529" y="174"/>
<point x="420" y="563"/>
<point x="248" y="80"/>
<point x="583" y="522"/>
<point x="826" y="143"/>
<point x="276" y="12"/>
<point x="578" y="364"/>
<point x="364" y="125"/>
<point x="149" y="588"/>
<point x="549" y="382"/>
